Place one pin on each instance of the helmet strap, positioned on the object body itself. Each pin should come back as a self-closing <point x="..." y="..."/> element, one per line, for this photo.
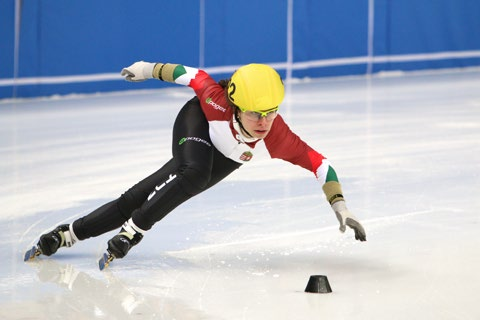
<point x="237" y="118"/>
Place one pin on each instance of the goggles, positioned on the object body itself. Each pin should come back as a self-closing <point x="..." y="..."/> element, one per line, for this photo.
<point x="269" y="115"/>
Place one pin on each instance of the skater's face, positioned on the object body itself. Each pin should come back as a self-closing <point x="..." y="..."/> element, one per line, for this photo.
<point x="258" y="124"/>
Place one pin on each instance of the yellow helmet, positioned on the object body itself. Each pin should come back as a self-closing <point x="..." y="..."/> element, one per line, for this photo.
<point x="256" y="87"/>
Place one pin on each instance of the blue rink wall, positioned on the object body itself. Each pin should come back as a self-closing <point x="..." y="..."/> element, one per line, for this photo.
<point x="61" y="47"/>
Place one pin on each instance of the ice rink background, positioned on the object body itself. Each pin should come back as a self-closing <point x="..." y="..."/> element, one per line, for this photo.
<point x="406" y="148"/>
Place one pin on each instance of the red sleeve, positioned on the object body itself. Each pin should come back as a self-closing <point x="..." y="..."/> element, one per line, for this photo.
<point x="283" y="144"/>
<point x="211" y="96"/>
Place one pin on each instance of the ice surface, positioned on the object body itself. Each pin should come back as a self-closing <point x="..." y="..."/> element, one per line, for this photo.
<point x="407" y="151"/>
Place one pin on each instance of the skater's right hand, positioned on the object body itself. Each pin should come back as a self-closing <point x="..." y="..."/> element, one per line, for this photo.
<point x="139" y="71"/>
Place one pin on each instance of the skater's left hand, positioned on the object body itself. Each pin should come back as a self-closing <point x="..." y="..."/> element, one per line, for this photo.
<point x="348" y="219"/>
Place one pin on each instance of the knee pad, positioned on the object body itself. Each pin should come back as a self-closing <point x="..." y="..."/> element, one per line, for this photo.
<point x="194" y="178"/>
<point x="131" y="200"/>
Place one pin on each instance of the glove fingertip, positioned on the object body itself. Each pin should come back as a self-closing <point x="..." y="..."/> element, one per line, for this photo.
<point x="361" y="237"/>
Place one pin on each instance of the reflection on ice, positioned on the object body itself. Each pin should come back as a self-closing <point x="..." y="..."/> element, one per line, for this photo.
<point x="85" y="297"/>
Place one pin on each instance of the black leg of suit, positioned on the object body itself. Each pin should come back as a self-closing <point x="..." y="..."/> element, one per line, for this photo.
<point x="196" y="166"/>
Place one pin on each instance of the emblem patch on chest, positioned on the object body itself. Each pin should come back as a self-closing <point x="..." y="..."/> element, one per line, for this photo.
<point x="246" y="156"/>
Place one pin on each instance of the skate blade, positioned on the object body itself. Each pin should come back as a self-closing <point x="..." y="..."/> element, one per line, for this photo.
<point x="105" y="261"/>
<point x="31" y="254"/>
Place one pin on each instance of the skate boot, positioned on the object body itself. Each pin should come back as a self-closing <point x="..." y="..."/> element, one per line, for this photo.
<point x="61" y="236"/>
<point x="129" y="236"/>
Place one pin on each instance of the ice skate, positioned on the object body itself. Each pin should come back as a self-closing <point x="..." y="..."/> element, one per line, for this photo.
<point x="118" y="247"/>
<point x="49" y="243"/>
<point x="61" y="236"/>
<point x="123" y="242"/>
